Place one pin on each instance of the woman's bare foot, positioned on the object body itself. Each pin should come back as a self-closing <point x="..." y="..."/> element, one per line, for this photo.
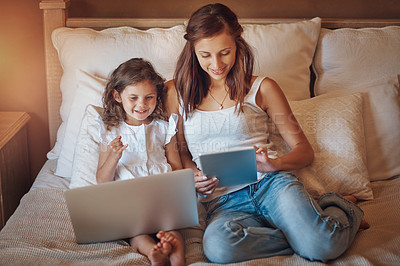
<point x="350" y="198"/>
<point x="177" y="255"/>
<point x="159" y="254"/>
<point x="364" y="224"/>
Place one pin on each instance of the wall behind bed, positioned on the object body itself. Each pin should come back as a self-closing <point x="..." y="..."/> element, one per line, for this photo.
<point x="248" y="8"/>
<point x="22" y="68"/>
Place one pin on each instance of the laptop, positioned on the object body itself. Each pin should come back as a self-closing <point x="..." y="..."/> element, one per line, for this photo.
<point x="124" y="209"/>
<point x="234" y="167"/>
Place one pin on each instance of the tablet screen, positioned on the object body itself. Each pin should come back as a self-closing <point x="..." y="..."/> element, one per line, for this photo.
<point x="234" y="167"/>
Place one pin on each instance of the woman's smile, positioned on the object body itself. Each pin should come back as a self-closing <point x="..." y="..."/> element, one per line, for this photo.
<point x="219" y="71"/>
<point x="216" y="55"/>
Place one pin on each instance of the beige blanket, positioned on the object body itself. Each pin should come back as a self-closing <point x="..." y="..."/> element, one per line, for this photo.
<point x="40" y="233"/>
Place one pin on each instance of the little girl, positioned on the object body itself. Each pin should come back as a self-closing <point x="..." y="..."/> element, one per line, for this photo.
<point x="138" y="140"/>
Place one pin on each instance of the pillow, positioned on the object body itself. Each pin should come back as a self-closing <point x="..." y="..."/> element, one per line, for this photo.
<point x="334" y="128"/>
<point x="284" y="52"/>
<point x="354" y="58"/>
<point x="368" y="61"/>
<point x="381" y="116"/>
<point x="90" y="91"/>
<point x="86" y="156"/>
<point x="100" y="52"/>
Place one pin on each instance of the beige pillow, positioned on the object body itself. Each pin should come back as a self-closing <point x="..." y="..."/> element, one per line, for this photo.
<point x="334" y="127"/>
<point x="368" y="61"/>
<point x="284" y="52"/>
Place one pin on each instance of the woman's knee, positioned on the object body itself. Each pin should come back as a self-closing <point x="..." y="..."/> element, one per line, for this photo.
<point x="217" y="246"/>
<point x="321" y="248"/>
<point x="223" y="240"/>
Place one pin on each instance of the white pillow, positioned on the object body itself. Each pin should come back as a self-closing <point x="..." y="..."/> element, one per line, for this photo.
<point x="334" y="127"/>
<point x="86" y="156"/>
<point x="90" y="91"/>
<point x="355" y="58"/>
<point x="284" y="52"/>
<point x="100" y="52"/>
<point x="366" y="60"/>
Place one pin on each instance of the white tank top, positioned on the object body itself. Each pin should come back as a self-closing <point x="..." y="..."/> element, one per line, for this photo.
<point x="224" y="130"/>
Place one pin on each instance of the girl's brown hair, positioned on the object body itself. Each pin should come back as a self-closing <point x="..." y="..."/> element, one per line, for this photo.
<point x="128" y="73"/>
<point x="191" y="81"/>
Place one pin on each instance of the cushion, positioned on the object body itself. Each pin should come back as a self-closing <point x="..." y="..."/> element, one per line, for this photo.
<point x="381" y="116"/>
<point x="354" y="58"/>
<point x="90" y="91"/>
<point x="284" y="52"/>
<point x="98" y="53"/>
<point x="86" y="156"/>
<point x="368" y="61"/>
<point x="334" y="128"/>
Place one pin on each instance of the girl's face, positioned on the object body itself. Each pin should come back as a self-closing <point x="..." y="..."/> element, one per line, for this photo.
<point x="216" y="55"/>
<point x="139" y="101"/>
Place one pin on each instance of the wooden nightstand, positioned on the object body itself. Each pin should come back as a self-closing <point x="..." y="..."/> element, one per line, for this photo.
<point x="15" y="179"/>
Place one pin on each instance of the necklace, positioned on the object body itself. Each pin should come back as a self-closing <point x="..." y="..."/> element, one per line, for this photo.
<point x="220" y="104"/>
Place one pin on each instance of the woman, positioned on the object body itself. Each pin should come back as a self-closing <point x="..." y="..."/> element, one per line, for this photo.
<point x="222" y="107"/>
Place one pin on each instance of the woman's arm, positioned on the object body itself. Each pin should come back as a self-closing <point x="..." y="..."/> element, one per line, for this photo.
<point x="272" y="100"/>
<point x="172" y="106"/>
<point x="172" y="154"/>
<point x="108" y="160"/>
<point x="202" y="183"/>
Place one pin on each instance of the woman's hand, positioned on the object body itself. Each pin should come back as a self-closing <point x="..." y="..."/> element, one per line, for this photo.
<point x="203" y="184"/>
<point x="264" y="163"/>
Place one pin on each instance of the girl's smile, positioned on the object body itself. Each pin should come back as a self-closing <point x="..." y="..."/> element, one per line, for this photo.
<point x="139" y="101"/>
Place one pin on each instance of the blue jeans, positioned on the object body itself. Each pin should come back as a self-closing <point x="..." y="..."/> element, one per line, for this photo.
<point x="276" y="216"/>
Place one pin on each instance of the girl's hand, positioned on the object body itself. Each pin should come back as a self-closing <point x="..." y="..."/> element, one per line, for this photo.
<point x="117" y="147"/>
<point x="203" y="184"/>
<point x="264" y="163"/>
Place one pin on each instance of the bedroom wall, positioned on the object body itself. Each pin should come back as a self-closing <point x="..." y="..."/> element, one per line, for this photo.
<point x="249" y="8"/>
<point x="22" y="69"/>
<point x="22" y="72"/>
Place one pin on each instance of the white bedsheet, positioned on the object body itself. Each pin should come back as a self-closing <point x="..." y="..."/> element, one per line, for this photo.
<point x="47" y="179"/>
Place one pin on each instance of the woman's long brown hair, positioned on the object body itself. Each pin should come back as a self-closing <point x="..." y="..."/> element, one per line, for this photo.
<point x="191" y="81"/>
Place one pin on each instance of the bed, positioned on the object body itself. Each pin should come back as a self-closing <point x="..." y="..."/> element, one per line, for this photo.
<point x="341" y="77"/>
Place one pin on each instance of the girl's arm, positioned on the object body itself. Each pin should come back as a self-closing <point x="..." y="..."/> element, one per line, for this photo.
<point x="272" y="100"/>
<point x="108" y="160"/>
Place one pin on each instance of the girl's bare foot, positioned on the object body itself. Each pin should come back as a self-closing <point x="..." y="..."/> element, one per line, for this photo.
<point x="177" y="255"/>
<point x="159" y="254"/>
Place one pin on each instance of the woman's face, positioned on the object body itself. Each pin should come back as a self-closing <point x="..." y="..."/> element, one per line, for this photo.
<point x="216" y="55"/>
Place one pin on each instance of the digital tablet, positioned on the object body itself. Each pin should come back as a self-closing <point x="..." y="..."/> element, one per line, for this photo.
<point x="234" y="167"/>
